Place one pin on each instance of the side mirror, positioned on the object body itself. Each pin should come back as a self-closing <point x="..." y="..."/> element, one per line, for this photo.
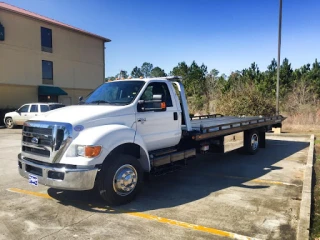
<point x="17" y="111"/>
<point x="80" y="99"/>
<point x="156" y="104"/>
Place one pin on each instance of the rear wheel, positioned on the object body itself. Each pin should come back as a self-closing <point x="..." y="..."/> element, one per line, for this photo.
<point x="251" y="142"/>
<point x="9" y="123"/>
<point x="120" y="179"/>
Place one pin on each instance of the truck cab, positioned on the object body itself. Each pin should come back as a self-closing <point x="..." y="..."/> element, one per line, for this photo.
<point x="119" y="119"/>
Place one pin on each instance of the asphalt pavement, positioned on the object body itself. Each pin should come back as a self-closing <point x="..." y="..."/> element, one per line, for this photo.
<point x="216" y="196"/>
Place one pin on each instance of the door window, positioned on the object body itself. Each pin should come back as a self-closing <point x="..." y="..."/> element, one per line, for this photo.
<point x="55" y="106"/>
<point x="24" y="109"/>
<point x="157" y="88"/>
<point x="44" y="108"/>
<point x="34" y="108"/>
<point x="47" y="98"/>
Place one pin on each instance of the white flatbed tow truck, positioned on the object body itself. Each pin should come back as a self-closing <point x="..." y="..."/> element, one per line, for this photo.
<point x="124" y="130"/>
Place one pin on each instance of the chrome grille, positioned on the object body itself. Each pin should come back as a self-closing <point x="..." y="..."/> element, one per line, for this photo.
<point x="36" y="151"/>
<point x="45" y="141"/>
<point x="42" y="140"/>
<point x="44" y="131"/>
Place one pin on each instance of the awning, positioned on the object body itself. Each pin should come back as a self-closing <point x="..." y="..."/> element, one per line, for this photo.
<point x="50" y="91"/>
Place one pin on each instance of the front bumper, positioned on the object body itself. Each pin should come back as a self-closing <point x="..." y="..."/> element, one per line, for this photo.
<point x="73" y="179"/>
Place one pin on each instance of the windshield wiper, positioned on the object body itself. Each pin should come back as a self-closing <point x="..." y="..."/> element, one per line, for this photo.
<point x="98" y="101"/>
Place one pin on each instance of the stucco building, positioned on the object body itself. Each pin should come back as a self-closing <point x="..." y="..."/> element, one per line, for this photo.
<point x="44" y="60"/>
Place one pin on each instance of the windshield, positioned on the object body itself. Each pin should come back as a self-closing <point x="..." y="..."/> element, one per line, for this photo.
<point x="119" y="92"/>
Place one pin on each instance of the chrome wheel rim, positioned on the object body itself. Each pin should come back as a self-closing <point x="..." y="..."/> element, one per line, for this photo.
<point x="9" y="122"/>
<point x="125" y="180"/>
<point x="254" y="141"/>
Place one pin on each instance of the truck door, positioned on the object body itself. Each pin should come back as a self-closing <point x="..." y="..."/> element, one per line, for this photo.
<point x="159" y="129"/>
<point x="22" y="114"/>
<point x="34" y="110"/>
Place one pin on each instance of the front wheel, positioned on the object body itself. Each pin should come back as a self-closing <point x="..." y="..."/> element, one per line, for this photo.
<point x="120" y="179"/>
<point x="9" y="123"/>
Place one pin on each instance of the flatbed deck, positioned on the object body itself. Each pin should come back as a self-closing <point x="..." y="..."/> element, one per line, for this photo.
<point x="205" y="127"/>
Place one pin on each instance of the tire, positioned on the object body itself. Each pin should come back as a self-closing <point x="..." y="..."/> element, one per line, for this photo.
<point x="251" y="142"/>
<point x="9" y="123"/>
<point x="114" y="170"/>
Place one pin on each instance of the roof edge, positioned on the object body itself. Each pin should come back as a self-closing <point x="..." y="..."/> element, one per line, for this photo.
<point x="51" y="21"/>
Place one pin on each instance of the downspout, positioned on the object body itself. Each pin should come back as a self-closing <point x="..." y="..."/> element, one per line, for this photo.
<point x="104" y="62"/>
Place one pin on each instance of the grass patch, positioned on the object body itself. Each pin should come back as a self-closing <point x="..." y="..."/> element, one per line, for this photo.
<point x="315" y="213"/>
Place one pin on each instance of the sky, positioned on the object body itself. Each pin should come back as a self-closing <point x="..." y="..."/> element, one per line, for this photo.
<point x="227" y="35"/>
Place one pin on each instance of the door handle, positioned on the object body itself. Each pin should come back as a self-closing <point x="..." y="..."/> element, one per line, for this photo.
<point x="175" y="116"/>
<point x="36" y="114"/>
<point x="142" y="120"/>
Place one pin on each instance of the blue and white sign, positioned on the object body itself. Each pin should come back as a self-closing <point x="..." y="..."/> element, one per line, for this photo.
<point x="33" y="180"/>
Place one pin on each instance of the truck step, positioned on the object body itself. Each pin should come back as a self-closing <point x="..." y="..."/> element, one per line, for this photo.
<point x="167" y="169"/>
<point x="170" y="158"/>
<point x="162" y="152"/>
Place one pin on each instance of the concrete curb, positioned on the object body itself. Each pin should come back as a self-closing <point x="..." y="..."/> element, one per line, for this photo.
<point x="305" y="205"/>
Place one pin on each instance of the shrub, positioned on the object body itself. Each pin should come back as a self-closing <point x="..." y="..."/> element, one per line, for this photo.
<point x="249" y="102"/>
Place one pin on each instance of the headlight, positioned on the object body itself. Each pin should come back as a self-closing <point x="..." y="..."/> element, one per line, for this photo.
<point x="80" y="150"/>
<point x="88" y="151"/>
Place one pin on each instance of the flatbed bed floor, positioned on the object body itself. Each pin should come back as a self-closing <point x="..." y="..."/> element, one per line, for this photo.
<point x="205" y="127"/>
<point x="211" y="122"/>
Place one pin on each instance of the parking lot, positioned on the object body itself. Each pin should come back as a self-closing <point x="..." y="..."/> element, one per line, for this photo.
<point x="216" y="196"/>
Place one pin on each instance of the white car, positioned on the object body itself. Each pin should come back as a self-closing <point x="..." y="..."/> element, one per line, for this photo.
<point x="27" y="111"/>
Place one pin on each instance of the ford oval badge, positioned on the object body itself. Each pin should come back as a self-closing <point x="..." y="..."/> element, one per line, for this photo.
<point x="78" y="128"/>
<point x="35" y="140"/>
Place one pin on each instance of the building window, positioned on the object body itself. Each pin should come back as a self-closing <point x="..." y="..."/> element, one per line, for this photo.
<point x="46" y="39"/>
<point x="47" y="72"/>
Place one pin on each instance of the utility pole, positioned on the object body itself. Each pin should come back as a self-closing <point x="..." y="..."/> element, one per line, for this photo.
<point x="279" y="48"/>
